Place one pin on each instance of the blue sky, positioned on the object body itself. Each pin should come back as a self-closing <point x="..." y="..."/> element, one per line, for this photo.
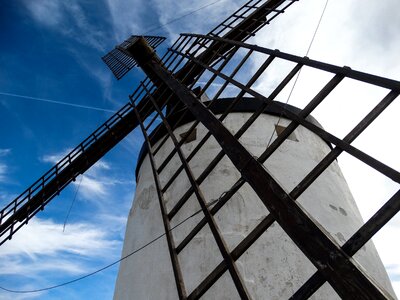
<point x="51" y="50"/>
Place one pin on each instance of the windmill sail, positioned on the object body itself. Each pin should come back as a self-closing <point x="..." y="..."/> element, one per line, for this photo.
<point x="166" y="151"/>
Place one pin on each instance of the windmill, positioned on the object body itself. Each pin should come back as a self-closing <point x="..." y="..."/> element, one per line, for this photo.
<point x="174" y="91"/>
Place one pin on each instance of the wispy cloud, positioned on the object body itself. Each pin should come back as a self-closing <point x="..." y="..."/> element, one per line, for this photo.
<point x="96" y="183"/>
<point x="55" y="157"/>
<point x="4" y="152"/>
<point x="389" y="251"/>
<point x="163" y="15"/>
<point x="54" y="102"/>
<point x="127" y="17"/>
<point x="99" y="72"/>
<point x="169" y="10"/>
<point x="3" y="171"/>
<point x="91" y="188"/>
<point x="72" y="20"/>
<point x="5" y="194"/>
<point x="46" y="238"/>
<point x="133" y="142"/>
<point x="47" y="12"/>
<point x="67" y="18"/>
<point x="43" y="255"/>
<point x="3" y="165"/>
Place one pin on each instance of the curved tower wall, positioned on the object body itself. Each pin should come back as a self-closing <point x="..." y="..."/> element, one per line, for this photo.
<point x="273" y="267"/>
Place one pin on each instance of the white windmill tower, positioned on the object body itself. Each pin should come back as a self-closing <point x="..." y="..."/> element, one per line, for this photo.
<point x="240" y="195"/>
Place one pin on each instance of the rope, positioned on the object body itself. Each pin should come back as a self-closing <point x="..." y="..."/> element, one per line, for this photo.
<point x="115" y="262"/>
<point x="183" y="16"/>
<point x="72" y="203"/>
<point x="298" y="74"/>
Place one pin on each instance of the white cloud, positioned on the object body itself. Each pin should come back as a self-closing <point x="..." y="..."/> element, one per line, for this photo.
<point x="27" y="265"/>
<point x="87" y="33"/>
<point x="97" y="183"/>
<point x="127" y="17"/>
<point x="91" y="188"/>
<point x="3" y="166"/>
<point x="69" y="19"/>
<point x="6" y="196"/>
<point x="4" y="152"/>
<point x="42" y="255"/>
<point x="99" y="72"/>
<point x="377" y="36"/>
<point x="58" y="156"/>
<point x="55" y="157"/>
<point x="47" y="12"/>
<point x="142" y="18"/>
<point x="99" y="186"/>
<point x="45" y="237"/>
<point x="170" y="10"/>
<point x="133" y="142"/>
<point x="23" y="296"/>
<point x="3" y="172"/>
<point x="389" y="250"/>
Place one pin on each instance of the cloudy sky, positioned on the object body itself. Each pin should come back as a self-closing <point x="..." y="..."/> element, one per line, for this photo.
<point x="50" y="58"/>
